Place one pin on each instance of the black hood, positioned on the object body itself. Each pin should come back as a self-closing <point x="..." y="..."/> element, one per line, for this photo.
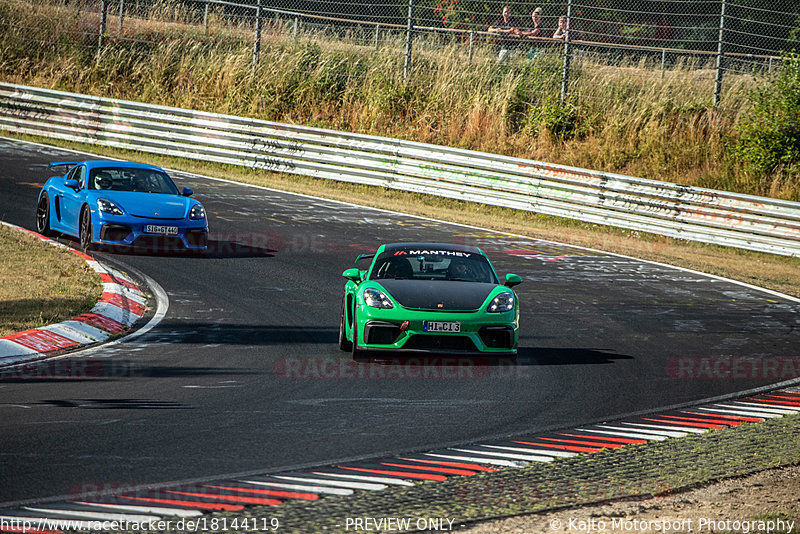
<point x="429" y="294"/>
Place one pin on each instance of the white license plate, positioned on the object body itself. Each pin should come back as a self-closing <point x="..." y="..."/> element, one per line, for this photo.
<point x="165" y="230"/>
<point x="441" y="326"/>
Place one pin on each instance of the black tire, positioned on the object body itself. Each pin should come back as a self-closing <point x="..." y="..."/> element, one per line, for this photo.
<point x="344" y="344"/>
<point x="43" y="215"/>
<point x="358" y="354"/>
<point x="85" y="230"/>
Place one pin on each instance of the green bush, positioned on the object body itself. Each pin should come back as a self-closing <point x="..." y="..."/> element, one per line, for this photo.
<point x="769" y="138"/>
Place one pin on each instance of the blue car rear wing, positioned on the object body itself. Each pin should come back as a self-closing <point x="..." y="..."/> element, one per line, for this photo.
<point x="63" y="163"/>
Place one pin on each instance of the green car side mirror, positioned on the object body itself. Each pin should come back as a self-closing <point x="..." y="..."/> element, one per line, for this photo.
<point x="352" y="274"/>
<point x="512" y="280"/>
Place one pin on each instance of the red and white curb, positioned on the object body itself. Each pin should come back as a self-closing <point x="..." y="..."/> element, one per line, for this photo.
<point x="189" y="501"/>
<point x="119" y="307"/>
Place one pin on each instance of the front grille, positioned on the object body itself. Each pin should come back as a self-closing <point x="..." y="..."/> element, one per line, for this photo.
<point x="497" y="337"/>
<point x="440" y="342"/>
<point x="197" y="238"/>
<point x="378" y="333"/>
<point x="114" y="232"/>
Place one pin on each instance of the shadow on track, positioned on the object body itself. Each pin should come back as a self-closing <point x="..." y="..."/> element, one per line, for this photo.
<point x="240" y="334"/>
<point x="115" y="404"/>
<point x="526" y="356"/>
<point x="101" y="369"/>
<point x="216" y="249"/>
<point x="566" y="356"/>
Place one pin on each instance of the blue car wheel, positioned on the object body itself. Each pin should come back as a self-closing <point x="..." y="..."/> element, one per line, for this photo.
<point x="86" y="229"/>
<point x="43" y="215"/>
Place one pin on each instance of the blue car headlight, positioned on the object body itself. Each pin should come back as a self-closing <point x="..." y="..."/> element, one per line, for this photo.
<point x="106" y="206"/>
<point x="197" y="212"/>
<point x="377" y="299"/>
<point x="501" y="303"/>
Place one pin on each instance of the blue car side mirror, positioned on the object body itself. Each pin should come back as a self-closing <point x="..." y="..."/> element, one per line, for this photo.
<point x="187" y="192"/>
<point x="72" y="184"/>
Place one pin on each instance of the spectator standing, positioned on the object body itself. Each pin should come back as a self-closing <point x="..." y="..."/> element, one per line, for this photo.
<point x="561" y="31"/>
<point x="508" y="28"/>
<point x="536" y="31"/>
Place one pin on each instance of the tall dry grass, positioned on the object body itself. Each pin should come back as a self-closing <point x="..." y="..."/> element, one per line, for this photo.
<point x="628" y="118"/>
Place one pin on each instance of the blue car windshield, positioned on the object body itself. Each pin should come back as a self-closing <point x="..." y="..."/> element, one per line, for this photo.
<point x="433" y="265"/>
<point x="131" y="179"/>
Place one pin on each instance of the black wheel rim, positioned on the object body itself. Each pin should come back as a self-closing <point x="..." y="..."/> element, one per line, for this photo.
<point x="85" y="238"/>
<point x="41" y="215"/>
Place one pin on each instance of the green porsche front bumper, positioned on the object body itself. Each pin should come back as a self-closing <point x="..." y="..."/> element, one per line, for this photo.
<point x="401" y="329"/>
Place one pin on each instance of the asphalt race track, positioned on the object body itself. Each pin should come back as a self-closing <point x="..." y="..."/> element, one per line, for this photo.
<point x="244" y="374"/>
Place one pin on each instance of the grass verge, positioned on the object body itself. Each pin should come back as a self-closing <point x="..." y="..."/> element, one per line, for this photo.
<point x="42" y="284"/>
<point x="764" y="270"/>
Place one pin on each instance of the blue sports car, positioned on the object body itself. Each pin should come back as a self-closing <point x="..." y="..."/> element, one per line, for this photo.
<point x="120" y="203"/>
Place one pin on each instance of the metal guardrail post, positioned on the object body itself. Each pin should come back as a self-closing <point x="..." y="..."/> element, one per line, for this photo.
<point x="720" y="55"/>
<point x="471" y="44"/>
<point x="567" y="55"/>
<point x="257" y="40"/>
<point x="121" y="16"/>
<point x="409" y="40"/>
<point x="102" y="30"/>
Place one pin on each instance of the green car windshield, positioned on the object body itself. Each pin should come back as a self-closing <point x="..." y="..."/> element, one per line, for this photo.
<point x="433" y="265"/>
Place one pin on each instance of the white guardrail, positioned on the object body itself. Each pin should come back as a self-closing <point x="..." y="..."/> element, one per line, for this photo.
<point x="705" y="215"/>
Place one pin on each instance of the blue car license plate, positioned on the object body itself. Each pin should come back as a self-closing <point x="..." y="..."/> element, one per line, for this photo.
<point x="163" y="230"/>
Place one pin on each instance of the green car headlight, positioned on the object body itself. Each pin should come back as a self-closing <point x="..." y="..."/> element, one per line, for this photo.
<point x="377" y="299"/>
<point x="501" y="303"/>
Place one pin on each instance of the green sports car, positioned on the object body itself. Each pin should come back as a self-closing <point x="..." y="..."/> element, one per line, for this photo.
<point x="428" y="297"/>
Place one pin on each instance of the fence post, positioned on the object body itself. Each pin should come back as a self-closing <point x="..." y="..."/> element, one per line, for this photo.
<point x="257" y="40"/>
<point x="663" y="62"/>
<point x="409" y="39"/>
<point x="205" y="18"/>
<point x="377" y="35"/>
<point x="296" y="28"/>
<point x="471" y="43"/>
<point x="121" y="15"/>
<point x="720" y="55"/>
<point x="102" y="33"/>
<point x="567" y="55"/>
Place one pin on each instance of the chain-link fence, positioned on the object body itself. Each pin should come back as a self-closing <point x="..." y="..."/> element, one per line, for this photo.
<point x="646" y="39"/>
